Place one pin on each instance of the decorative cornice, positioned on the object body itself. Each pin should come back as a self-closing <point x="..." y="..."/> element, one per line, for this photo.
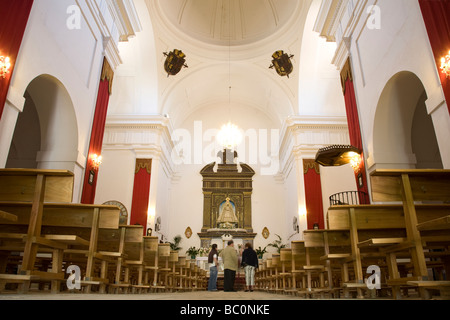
<point x="147" y="135"/>
<point x="328" y="18"/>
<point x="302" y="137"/>
<point x="126" y="17"/>
<point x="110" y="47"/>
<point x="126" y="22"/>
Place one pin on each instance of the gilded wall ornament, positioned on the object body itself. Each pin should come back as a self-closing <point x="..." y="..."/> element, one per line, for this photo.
<point x="188" y="232"/>
<point x="265" y="233"/>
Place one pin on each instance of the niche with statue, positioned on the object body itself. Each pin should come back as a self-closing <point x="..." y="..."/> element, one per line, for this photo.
<point x="227" y="192"/>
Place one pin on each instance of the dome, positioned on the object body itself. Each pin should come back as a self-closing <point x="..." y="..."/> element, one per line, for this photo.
<point x="225" y="22"/>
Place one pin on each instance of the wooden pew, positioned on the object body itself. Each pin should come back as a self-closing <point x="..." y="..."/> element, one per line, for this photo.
<point x="139" y="256"/>
<point x="268" y="278"/>
<point x="285" y="274"/>
<point x="181" y="274"/>
<point x="259" y="275"/>
<point x="299" y="280"/>
<point x="161" y="276"/>
<point x="410" y="187"/>
<point x="276" y="277"/>
<point x="62" y="227"/>
<point x="437" y="225"/>
<point x="36" y="187"/>
<point x="5" y="216"/>
<point x="379" y="231"/>
<point x="189" y="274"/>
<point x="173" y="274"/>
<point x="307" y="255"/>
<point x="116" y="245"/>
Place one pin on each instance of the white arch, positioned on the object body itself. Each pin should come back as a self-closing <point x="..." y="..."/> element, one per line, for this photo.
<point x="58" y="123"/>
<point x="393" y="123"/>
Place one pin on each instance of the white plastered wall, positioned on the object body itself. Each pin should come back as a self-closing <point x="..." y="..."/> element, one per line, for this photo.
<point x="400" y="44"/>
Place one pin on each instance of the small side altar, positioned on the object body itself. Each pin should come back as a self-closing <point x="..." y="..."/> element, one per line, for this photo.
<point x="227" y="207"/>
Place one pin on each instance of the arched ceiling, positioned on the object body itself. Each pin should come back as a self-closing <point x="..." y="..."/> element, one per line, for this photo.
<point x="228" y="43"/>
<point x="220" y="22"/>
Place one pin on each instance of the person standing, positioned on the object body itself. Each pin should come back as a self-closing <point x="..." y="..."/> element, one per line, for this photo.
<point x="213" y="261"/>
<point x="230" y="265"/>
<point x="250" y="264"/>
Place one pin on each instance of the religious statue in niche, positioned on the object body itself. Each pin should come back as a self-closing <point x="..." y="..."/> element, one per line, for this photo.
<point x="227" y="218"/>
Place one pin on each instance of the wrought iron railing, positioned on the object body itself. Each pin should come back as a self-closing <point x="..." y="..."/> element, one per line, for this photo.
<point x="349" y="198"/>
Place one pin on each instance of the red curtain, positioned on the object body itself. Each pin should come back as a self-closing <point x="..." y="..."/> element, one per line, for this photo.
<point x="14" y="20"/>
<point x="436" y="15"/>
<point x="313" y="194"/>
<point x="95" y="147"/>
<point x="97" y="133"/>
<point x="141" y="193"/>
<point x="354" y="129"/>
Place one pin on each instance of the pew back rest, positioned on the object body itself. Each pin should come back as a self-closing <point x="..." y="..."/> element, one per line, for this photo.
<point x="64" y="215"/>
<point x="426" y="185"/>
<point x="299" y="249"/>
<point x="110" y="240"/>
<point x="372" y="217"/>
<point x="19" y="185"/>
<point x="336" y="238"/>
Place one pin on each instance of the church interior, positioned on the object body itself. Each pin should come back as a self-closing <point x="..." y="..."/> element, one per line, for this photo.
<point x="135" y="134"/>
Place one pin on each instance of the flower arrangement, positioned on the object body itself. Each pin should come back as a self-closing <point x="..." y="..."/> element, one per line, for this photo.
<point x="192" y="252"/>
<point x="203" y="251"/>
<point x="277" y="244"/>
<point x="260" y="252"/>
<point x="175" y="245"/>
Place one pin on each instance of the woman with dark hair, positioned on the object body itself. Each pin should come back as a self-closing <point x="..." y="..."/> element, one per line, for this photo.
<point x="213" y="261"/>
<point x="250" y="264"/>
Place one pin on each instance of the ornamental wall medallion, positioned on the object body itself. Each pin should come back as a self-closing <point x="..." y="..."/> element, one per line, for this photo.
<point x="265" y="233"/>
<point x="188" y="232"/>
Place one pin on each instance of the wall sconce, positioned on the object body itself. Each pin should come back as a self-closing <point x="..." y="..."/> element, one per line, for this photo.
<point x="5" y="65"/>
<point x="96" y="161"/>
<point x="355" y="161"/>
<point x="445" y="65"/>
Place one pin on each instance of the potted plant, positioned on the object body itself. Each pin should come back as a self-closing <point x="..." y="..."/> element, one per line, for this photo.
<point x="260" y="252"/>
<point x="175" y="245"/>
<point x="192" y="252"/>
<point x="277" y="244"/>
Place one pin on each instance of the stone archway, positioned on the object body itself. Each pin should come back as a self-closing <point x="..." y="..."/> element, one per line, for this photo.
<point x="404" y="136"/>
<point x="46" y="133"/>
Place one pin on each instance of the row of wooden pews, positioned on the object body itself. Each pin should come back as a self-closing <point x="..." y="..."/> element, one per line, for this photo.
<point x="44" y="239"/>
<point x="405" y="237"/>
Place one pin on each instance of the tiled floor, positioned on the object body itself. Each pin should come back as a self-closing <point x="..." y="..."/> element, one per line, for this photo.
<point x="200" y="295"/>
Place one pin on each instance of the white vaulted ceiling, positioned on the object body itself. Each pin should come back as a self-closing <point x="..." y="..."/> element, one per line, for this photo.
<point x="228" y="43"/>
<point x="220" y="21"/>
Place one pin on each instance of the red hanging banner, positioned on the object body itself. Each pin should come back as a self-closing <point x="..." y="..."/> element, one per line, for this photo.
<point x="313" y="194"/>
<point x="97" y="133"/>
<point x="436" y="15"/>
<point x="141" y="192"/>
<point x="354" y="129"/>
<point x="14" y="20"/>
